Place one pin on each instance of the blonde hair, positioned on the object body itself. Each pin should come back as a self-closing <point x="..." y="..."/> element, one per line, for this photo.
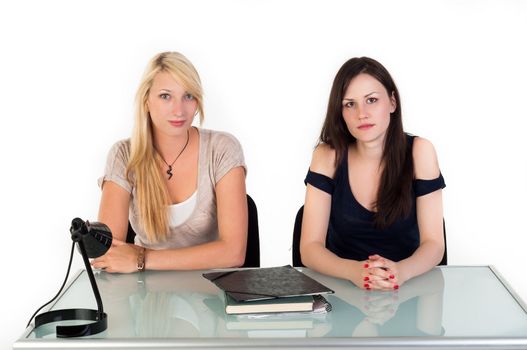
<point x="152" y="194"/>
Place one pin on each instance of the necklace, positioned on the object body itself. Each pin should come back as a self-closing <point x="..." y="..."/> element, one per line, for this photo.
<point x="169" y="171"/>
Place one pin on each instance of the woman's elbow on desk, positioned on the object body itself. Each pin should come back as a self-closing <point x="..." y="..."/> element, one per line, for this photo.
<point x="237" y="260"/>
<point x="311" y="253"/>
<point x="233" y="255"/>
<point x="225" y="253"/>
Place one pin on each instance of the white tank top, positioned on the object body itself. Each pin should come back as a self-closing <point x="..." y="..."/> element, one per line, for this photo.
<point x="180" y="212"/>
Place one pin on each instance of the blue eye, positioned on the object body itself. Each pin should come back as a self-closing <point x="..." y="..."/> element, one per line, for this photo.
<point x="164" y="96"/>
<point x="188" y="97"/>
<point x="371" y="100"/>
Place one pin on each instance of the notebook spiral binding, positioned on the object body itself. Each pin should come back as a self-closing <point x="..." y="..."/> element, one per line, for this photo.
<point x="320" y="301"/>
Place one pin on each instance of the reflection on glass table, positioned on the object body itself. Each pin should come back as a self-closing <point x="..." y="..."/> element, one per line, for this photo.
<point x="450" y="306"/>
<point x="412" y="311"/>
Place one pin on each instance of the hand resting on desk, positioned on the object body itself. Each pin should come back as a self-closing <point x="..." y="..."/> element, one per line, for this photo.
<point x="122" y="257"/>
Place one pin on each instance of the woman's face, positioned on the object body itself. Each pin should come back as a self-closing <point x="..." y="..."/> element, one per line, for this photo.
<point x="172" y="108"/>
<point x="366" y="108"/>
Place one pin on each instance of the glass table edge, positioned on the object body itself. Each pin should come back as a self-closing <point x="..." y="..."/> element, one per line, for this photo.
<point x="391" y="343"/>
<point x="508" y="287"/>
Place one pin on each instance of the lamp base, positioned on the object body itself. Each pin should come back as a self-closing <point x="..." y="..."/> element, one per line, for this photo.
<point x="100" y="322"/>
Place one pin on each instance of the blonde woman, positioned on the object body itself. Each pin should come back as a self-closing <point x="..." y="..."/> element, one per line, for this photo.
<point x="182" y="188"/>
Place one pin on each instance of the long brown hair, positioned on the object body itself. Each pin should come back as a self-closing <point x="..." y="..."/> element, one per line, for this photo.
<point x="395" y="188"/>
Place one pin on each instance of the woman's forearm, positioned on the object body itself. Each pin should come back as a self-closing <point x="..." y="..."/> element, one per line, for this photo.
<point x="217" y="254"/>
<point x="427" y="256"/>
<point x="320" y="259"/>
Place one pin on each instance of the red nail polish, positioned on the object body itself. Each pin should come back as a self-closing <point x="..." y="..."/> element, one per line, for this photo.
<point x="368" y="288"/>
<point x="392" y="277"/>
<point x="396" y="287"/>
<point x="366" y="278"/>
<point x="366" y="285"/>
<point x="366" y="266"/>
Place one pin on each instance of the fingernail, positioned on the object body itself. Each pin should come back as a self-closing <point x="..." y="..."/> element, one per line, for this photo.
<point x="368" y="288"/>
<point x="366" y="285"/>
<point x="366" y="266"/>
<point x="392" y="277"/>
<point x="366" y="278"/>
<point x="396" y="286"/>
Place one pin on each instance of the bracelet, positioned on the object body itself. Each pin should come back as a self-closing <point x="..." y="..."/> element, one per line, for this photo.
<point x="141" y="260"/>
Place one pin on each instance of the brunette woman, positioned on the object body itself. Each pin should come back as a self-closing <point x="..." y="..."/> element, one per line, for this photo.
<point x="373" y="209"/>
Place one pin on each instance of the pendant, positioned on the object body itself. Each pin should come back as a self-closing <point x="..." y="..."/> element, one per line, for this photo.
<point x="169" y="172"/>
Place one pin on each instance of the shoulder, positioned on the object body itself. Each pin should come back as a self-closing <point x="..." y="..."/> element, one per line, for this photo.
<point x="220" y="139"/>
<point x="323" y="161"/>
<point x="426" y="165"/>
<point x="116" y="163"/>
<point x="120" y="149"/>
<point x="122" y="144"/>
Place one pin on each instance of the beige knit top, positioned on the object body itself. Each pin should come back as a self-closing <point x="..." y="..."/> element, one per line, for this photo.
<point x="219" y="152"/>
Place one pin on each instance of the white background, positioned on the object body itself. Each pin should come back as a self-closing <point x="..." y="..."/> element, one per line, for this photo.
<point x="69" y="71"/>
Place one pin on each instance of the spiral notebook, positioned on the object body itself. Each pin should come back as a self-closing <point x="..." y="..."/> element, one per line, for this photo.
<point x="266" y="283"/>
<point x="265" y="314"/>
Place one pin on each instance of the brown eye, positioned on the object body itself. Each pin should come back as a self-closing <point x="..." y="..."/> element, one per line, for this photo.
<point x="371" y="100"/>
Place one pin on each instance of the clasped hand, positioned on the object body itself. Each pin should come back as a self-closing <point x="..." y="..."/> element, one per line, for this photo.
<point x="379" y="273"/>
<point x="121" y="257"/>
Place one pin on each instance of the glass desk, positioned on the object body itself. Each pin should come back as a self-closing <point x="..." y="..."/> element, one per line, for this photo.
<point x="450" y="307"/>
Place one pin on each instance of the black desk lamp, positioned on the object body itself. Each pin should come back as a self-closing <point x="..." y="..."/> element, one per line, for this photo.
<point x="93" y="240"/>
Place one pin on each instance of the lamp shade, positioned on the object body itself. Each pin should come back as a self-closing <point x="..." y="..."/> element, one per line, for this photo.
<point x="95" y="236"/>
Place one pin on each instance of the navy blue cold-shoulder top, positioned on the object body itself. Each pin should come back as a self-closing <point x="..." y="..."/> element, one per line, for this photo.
<point x="351" y="233"/>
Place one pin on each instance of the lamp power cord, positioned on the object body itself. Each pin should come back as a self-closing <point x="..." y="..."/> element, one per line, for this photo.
<point x="61" y="288"/>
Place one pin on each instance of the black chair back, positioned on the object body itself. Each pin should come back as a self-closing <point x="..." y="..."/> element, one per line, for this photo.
<point x="130" y="235"/>
<point x="252" y="254"/>
<point x="444" y="260"/>
<point x="297" y="231"/>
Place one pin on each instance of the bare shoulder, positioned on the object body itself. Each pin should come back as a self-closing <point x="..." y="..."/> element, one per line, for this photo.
<point x="323" y="161"/>
<point x="426" y="165"/>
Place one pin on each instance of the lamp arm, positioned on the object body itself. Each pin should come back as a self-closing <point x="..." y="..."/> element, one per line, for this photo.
<point x="89" y="271"/>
